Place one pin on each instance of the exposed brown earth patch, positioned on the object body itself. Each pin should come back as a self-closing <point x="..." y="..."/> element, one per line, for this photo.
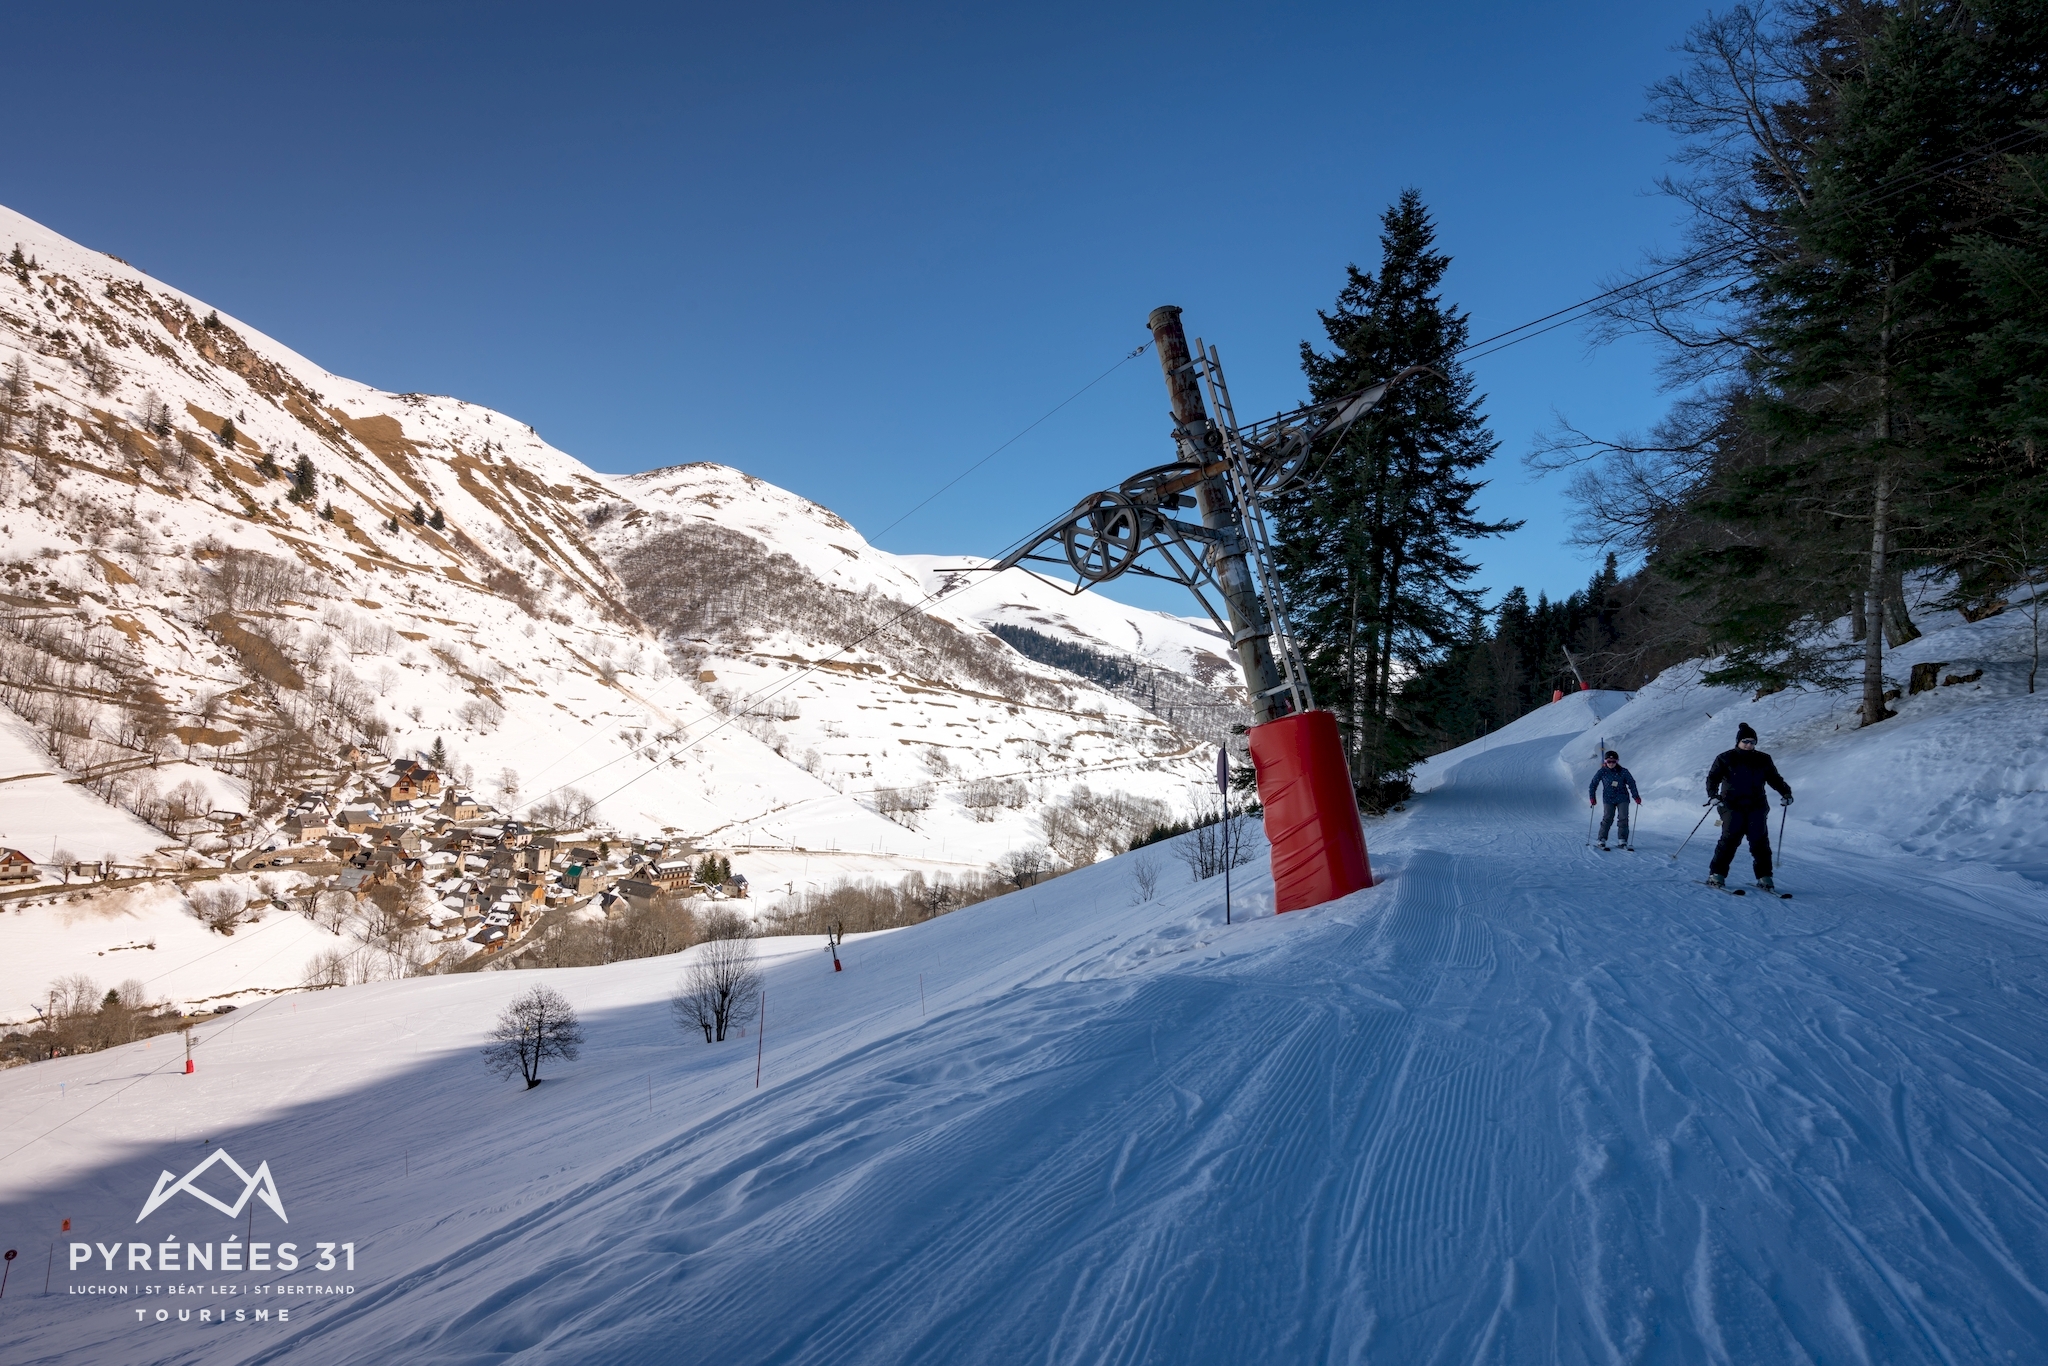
<point x="200" y="735"/>
<point x="258" y="655"/>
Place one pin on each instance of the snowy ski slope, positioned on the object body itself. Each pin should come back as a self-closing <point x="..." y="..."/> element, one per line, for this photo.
<point x="1520" y="1102"/>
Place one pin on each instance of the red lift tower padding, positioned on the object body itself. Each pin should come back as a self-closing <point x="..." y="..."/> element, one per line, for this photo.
<point x="1311" y="815"/>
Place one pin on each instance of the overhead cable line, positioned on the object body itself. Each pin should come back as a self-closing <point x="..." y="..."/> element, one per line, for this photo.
<point x="1584" y="308"/>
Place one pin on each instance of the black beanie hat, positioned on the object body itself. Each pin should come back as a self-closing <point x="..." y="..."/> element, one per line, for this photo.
<point x="1612" y="755"/>
<point x="1743" y="732"/>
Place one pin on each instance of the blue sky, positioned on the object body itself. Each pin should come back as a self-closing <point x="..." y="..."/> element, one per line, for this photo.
<point x="852" y="249"/>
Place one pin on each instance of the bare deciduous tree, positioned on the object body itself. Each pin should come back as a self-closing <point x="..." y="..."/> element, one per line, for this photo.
<point x="1220" y="840"/>
<point x="1145" y="877"/>
<point x="538" y="1025"/>
<point x="1022" y="867"/>
<point x="565" y="808"/>
<point x="719" y="988"/>
<point x="220" y="904"/>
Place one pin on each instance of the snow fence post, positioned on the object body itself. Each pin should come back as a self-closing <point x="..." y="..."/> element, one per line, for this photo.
<point x="760" y="1040"/>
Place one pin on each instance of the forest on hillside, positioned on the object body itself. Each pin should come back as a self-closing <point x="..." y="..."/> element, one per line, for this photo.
<point x="1854" y="336"/>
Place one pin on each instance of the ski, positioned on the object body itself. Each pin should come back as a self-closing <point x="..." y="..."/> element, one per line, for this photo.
<point x="1782" y="896"/>
<point x="1732" y="891"/>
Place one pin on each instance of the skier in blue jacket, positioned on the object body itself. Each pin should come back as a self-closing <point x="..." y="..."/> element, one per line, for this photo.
<point x="1617" y="785"/>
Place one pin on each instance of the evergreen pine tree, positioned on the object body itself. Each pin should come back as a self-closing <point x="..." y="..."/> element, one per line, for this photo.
<point x="1371" y="543"/>
<point x="327" y="512"/>
<point x="437" y="757"/>
<point x="1993" y="400"/>
<point x="226" y="436"/>
<point x="437" y="522"/>
<point x="1843" y="202"/>
<point x="268" y="465"/>
<point x="303" y="480"/>
<point x="419" y="515"/>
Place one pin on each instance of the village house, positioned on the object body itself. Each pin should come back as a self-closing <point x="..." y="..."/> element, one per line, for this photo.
<point x="356" y="820"/>
<point x="16" y="866"/>
<point x="585" y="879"/>
<point x="673" y="875"/>
<point x="420" y="776"/>
<point x="638" y="893"/>
<point x="300" y="827"/>
<point x="460" y="806"/>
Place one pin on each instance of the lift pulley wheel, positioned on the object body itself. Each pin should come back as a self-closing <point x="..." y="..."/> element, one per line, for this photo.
<point x="1104" y="536"/>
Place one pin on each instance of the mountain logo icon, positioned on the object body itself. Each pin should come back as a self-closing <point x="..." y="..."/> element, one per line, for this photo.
<point x="259" y="1183"/>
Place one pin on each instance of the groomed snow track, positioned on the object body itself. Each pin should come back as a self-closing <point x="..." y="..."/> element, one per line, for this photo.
<point x="1522" y="1102"/>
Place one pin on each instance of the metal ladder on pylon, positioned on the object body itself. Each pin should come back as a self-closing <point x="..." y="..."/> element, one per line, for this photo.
<point x="1258" y="535"/>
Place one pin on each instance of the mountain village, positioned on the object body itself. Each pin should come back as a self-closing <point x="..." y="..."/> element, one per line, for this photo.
<point x="273" y="643"/>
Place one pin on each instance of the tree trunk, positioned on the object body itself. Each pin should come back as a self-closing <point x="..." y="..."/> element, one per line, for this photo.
<point x="1873" y="605"/>
<point x="1859" y="625"/>
<point x="1352" y="711"/>
<point x="1898" y="627"/>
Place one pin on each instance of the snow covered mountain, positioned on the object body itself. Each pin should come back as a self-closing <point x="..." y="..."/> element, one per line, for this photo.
<point x="1520" y="1101"/>
<point x="222" y="563"/>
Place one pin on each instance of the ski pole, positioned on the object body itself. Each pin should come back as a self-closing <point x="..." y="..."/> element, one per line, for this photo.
<point x="1784" y="810"/>
<point x="1589" y="825"/>
<point x="1695" y="829"/>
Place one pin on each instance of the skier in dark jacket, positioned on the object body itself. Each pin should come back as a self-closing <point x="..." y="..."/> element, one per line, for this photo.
<point x="1617" y="785"/>
<point x="1737" y="782"/>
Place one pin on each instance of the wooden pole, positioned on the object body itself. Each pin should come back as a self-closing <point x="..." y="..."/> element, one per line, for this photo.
<point x="760" y="1040"/>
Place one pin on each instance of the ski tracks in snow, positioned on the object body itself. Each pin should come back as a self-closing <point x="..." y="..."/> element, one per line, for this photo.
<point x="1522" y="1102"/>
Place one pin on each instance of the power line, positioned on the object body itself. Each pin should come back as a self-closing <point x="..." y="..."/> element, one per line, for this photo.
<point x="134" y="1083"/>
<point x="750" y="700"/>
<point x="1583" y="308"/>
<point x="1131" y="356"/>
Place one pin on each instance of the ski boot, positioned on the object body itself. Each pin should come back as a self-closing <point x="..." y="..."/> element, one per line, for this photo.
<point x="1602" y="846"/>
<point x="1763" y="884"/>
<point x="1716" y="880"/>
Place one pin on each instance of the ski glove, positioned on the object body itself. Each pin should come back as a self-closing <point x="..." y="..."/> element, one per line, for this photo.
<point x="1784" y="801"/>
